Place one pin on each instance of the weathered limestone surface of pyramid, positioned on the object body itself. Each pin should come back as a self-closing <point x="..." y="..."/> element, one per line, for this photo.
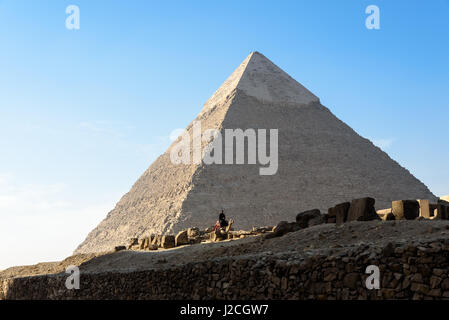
<point x="322" y="161"/>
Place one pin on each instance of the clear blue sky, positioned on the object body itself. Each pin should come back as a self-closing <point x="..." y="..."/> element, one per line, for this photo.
<point x="83" y="113"/>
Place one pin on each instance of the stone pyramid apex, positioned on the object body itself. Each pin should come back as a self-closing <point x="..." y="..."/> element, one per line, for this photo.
<point x="258" y="77"/>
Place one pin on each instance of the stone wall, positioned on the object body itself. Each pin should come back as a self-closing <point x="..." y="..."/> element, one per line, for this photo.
<point x="407" y="271"/>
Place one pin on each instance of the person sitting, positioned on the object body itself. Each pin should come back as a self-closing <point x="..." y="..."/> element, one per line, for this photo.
<point x="222" y="220"/>
<point x="222" y="225"/>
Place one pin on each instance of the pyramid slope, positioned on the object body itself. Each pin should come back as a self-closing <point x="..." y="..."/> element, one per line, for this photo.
<point x="154" y="203"/>
<point x="322" y="161"/>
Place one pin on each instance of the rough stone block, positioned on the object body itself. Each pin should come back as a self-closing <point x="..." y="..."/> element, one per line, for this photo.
<point x="362" y="210"/>
<point x="133" y="242"/>
<point x="405" y="209"/>
<point x="445" y="209"/>
<point x="182" y="238"/>
<point x="168" y="241"/>
<point x="341" y="212"/>
<point x="193" y="232"/>
<point x="282" y="228"/>
<point x="424" y="208"/>
<point x="146" y="243"/>
<point x="441" y="212"/>
<point x="316" y="221"/>
<point x="157" y="240"/>
<point x="303" y="218"/>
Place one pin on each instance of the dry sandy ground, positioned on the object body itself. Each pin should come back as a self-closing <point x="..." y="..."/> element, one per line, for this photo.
<point x="318" y="239"/>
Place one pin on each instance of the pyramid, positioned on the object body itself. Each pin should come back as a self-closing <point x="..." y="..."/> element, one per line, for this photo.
<point x="321" y="162"/>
